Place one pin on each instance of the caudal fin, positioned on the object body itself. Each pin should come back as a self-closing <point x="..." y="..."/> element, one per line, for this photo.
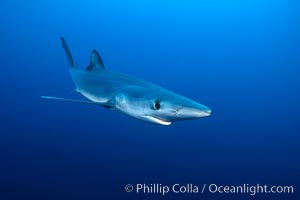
<point x="68" y="52"/>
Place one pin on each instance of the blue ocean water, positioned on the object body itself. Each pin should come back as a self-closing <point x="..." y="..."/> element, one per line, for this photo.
<point x="240" y="58"/>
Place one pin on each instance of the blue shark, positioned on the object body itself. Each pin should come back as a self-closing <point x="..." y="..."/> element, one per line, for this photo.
<point x="129" y="95"/>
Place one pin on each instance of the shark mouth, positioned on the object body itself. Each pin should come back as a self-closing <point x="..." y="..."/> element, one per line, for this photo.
<point x="157" y="120"/>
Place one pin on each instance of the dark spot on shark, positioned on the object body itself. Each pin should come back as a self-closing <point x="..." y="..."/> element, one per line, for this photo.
<point x="157" y="105"/>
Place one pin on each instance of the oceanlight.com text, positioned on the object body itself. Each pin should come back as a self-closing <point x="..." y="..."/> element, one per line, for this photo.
<point x="190" y="188"/>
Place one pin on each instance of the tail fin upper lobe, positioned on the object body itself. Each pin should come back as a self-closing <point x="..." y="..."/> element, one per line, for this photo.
<point x="68" y="52"/>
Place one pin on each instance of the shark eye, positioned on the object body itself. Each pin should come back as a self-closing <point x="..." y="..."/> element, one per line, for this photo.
<point x="157" y="105"/>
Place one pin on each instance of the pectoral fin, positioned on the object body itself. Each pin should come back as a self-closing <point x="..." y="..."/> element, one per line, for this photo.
<point x="104" y="104"/>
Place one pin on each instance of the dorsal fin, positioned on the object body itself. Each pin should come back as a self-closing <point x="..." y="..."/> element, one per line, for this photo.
<point x="96" y="62"/>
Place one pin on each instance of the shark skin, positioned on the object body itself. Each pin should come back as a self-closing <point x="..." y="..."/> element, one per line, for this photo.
<point x="129" y="95"/>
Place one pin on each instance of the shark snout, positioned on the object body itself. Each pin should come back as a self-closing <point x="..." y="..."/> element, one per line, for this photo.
<point x="190" y="113"/>
<point x="199" y="113"/>
<point x="207" y="112"/>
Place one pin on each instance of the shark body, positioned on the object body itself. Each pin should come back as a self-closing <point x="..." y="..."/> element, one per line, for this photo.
<point x="129" y="95"/>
